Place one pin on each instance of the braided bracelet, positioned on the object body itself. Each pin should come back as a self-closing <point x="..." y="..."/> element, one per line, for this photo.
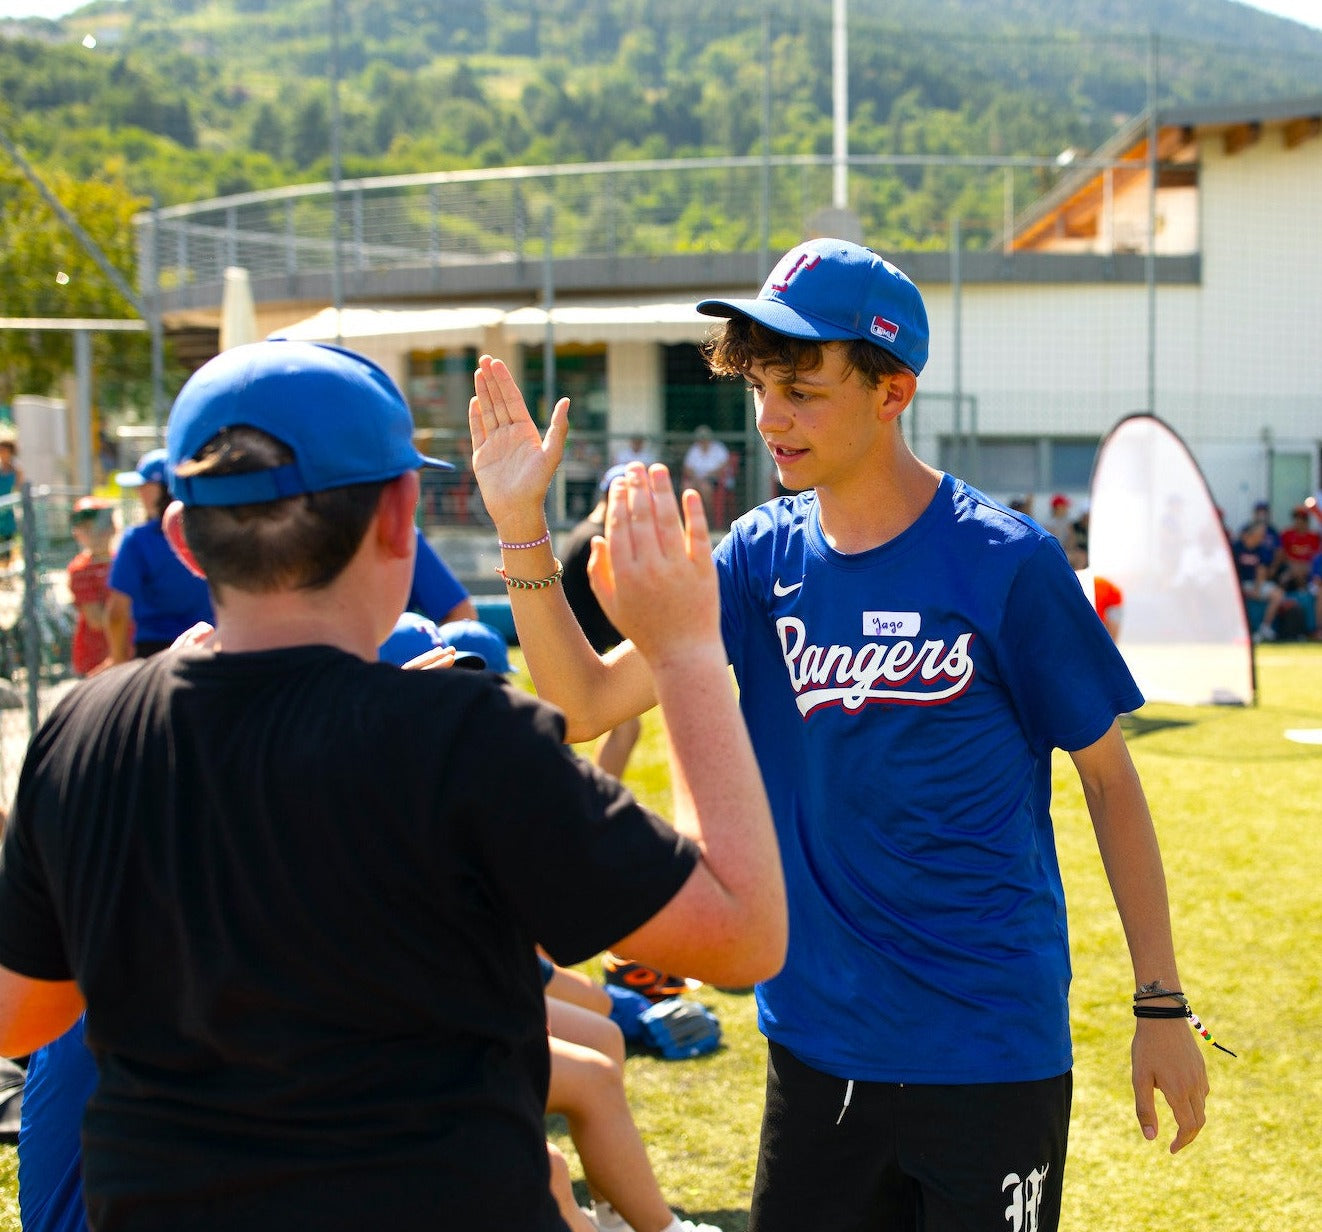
<point x="533" y="584"/>
<point x="1179" y="1011"/>
<point x="518" y="547"/>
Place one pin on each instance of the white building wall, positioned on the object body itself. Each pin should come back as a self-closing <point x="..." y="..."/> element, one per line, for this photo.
<point x="634" y="388"/>
<point x="1260" y="306"/>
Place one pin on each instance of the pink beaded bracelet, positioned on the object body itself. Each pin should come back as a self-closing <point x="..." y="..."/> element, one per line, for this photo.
<point x="518" y="547"/>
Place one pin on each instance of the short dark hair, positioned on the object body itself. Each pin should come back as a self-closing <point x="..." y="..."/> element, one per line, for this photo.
<point x="735" y="347"/>
<point x="299" y="543"/>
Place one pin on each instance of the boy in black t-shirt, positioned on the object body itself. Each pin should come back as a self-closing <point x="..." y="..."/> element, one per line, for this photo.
<point x="299" y="892"/>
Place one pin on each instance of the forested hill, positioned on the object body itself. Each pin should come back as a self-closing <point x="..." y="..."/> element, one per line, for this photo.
<point x="183" y="99"/>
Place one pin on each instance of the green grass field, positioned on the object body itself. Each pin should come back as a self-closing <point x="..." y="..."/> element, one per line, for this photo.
<point x="1239" y="812"/>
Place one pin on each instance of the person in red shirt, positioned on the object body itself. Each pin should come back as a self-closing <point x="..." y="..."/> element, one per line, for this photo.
<point x="93" y="525"/>
<point x="1300" y="543"/>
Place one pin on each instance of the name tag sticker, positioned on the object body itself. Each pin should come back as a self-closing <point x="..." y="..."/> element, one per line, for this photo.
<point x="891" y="624"/>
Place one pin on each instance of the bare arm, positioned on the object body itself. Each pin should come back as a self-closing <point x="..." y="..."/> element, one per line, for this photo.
<point x="514" y="467"/>
<point x="655" y="576"/>
<point x="465" y="609"/>
<point x="1165" y="1052"/>
<point x="34" y="1012"/>
<point x="119" y="626"/>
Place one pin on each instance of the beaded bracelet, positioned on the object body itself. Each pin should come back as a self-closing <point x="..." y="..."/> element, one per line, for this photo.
<point x="536" y="584"/>
<point x="1179" y="1011"/>
<point x="518" y="547"/>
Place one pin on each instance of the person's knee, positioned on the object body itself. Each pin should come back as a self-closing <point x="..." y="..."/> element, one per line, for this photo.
<point x="602" y="1075"/>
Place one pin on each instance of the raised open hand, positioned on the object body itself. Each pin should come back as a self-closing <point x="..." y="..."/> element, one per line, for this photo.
<point x="513" y="464"/>
<point x="652" y="572"/>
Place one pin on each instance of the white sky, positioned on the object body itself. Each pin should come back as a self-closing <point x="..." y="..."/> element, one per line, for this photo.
<point x="1307" y="11"/>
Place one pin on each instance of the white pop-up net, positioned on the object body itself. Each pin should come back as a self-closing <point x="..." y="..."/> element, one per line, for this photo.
<point x="1155" y="532"/>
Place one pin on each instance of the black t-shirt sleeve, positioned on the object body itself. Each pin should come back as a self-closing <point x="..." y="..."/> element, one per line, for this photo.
<point x="31" y="941"/>
<point x="573" y="854"/>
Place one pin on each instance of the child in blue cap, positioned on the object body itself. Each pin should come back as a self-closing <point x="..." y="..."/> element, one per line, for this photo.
<point x="300" y="892"/>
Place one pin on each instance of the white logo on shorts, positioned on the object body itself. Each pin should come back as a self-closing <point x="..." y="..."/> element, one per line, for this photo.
<point x="1025" y="1198"/>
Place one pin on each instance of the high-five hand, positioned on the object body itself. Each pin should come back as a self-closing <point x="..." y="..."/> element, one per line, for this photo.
<point x="512" y="462"/>
<point x="653" y="572"/>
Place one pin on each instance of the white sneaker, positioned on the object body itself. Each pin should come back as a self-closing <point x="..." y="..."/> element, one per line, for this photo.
<point x="1265" y="633"/>
<point x="687" y="1225"/>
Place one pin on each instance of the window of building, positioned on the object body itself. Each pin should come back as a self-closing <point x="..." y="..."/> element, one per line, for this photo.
<point x="580" y="376"/>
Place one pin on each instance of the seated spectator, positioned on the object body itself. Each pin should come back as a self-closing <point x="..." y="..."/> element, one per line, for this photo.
<point x="1060" y="523"/>
<point x="705" y="464"/>
<point x="1262" y="516"/>
<point x="1300" y="545"/>
<point x="587" y="1089"/>
<point x="636" y="449"/>
<point x="1253" y="560"/>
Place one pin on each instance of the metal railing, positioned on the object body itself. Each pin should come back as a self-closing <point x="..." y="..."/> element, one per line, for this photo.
<point x="513" y="214"/>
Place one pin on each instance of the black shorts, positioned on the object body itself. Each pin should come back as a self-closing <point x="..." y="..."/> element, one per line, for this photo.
<point x="901" y="1157"/>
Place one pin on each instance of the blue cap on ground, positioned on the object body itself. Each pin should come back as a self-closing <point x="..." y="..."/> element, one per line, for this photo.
<point x="831" y="290"/>
<point x="152" y="468"/>
<point x="414" y="635"/>
<point x="341" y="416"/>
<point x="475" y="637"/>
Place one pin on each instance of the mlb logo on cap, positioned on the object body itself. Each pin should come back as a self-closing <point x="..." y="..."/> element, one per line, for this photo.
<point x="885" y="329"/>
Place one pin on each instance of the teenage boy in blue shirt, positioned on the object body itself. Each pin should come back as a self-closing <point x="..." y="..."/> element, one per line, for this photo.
<point x="908" y="654"/>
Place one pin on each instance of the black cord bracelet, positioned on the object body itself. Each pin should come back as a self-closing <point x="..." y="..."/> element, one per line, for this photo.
<point x="1179" y="1011"/>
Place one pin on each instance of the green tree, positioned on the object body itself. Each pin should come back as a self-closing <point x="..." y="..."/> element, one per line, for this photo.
<point x="45" y="272"/>
<point x="310" y="137"/>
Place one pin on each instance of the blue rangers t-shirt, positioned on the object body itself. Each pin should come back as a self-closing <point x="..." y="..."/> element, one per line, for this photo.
<point x="904" y="703"/>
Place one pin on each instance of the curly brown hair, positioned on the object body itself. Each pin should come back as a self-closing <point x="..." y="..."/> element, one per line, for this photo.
<point x="734" y="348"/>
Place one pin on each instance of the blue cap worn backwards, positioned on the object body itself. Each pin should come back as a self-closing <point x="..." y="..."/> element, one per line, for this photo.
<point x="340" y="415"/>
<point x="831" y="291"/>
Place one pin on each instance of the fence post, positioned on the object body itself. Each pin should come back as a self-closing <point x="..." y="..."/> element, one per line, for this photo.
<point x="31" y="633"/>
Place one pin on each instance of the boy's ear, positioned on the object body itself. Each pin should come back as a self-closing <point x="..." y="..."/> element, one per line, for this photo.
<point x="897" y="392"/>
<point x="173" y="526"/>
<point x="396" y="512"/>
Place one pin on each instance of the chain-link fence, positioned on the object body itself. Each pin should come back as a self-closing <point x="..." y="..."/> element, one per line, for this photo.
<point x="37" y="619"/>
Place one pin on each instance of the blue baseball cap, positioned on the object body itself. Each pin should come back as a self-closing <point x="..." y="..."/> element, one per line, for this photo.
<point x="341" y="416"/>
<point x="414" y="635"/>
<point x="476" y="637"/>
<point x="618" y="471"/>
<point x="831" y="291"/>
<point x="153" y="467"/>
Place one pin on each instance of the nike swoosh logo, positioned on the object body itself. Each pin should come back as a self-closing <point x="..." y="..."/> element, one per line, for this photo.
<point x="780" y="590"/>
